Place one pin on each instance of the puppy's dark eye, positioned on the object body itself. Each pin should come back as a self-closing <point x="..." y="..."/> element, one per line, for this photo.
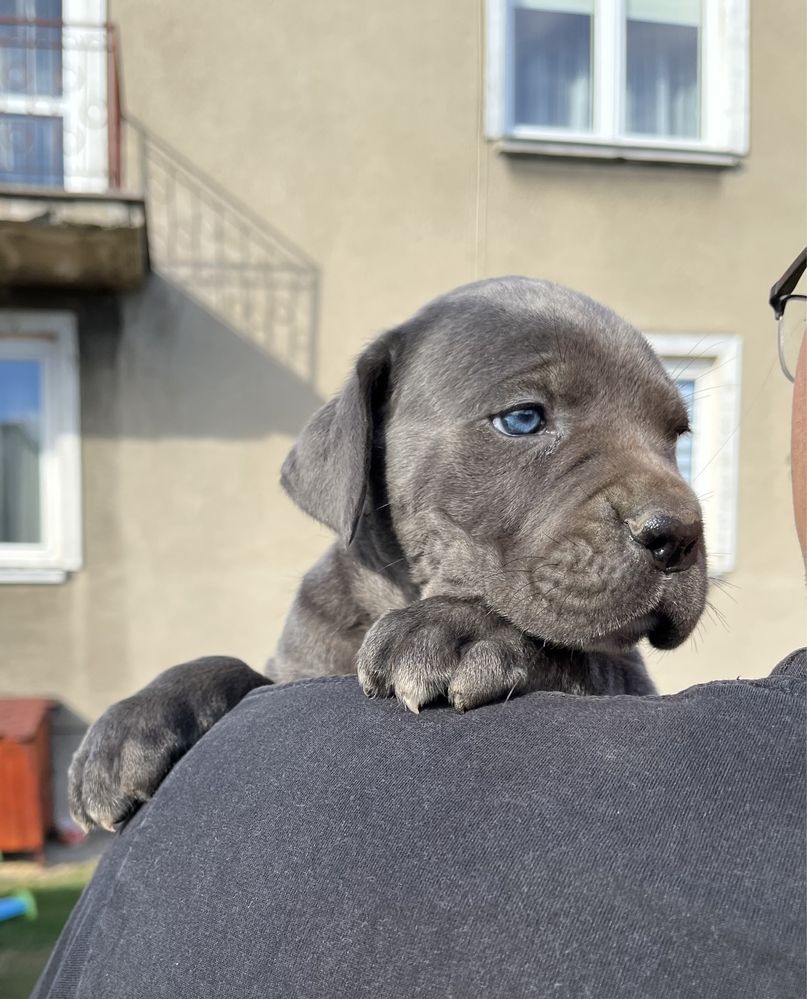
<point x="520" y="422"/>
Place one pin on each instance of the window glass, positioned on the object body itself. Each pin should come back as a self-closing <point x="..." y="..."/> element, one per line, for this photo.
<point x="553" y="63"/>
<point x="31" y="54"/>
<point x="662" y="64"/>
<point x="686" y="386"/>
<point x="31" y="150"/>
<point x="31" y="67"/>
<point x="20" y="446"/>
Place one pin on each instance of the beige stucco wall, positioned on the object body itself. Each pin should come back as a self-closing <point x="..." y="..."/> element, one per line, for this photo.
<point x="354" y="129"/>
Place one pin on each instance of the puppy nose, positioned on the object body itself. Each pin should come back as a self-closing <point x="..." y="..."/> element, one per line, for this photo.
<point x="673" y="545"/>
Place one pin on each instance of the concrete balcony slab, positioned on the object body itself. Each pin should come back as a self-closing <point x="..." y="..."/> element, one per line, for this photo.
<point x="66" y="240"/>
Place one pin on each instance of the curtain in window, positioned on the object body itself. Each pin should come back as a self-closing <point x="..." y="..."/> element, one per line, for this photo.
<point x="20" y="436"/>
<point x="552" y="67"/>
<point x="663" y="67"/>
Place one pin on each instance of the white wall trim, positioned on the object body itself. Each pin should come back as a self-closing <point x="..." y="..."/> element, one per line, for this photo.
<point x="32" y="577"/>
<point x="621" y="151"/>
<point x="495" y="69"/>
<point x="84" y="76"/>
<point x="50" y="338"/>
<point x="715" y="362"/>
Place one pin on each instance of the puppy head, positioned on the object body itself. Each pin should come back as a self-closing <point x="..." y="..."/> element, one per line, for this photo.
<point x="520" y="440"/>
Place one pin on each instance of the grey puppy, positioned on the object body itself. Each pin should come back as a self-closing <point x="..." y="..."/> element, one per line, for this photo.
<point x="500" y="471"/>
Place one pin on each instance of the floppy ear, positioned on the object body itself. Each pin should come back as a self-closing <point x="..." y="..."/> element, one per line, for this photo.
<point x="327" y="471"/>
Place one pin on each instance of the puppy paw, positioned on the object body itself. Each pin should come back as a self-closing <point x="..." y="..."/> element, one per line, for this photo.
<point x="489" y="670"/>
<point x="120" y="763"/>
<point x="443" y="647"/>
<point x="127" y="753"/>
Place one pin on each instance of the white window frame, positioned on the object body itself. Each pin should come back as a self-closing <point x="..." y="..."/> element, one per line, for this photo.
<point x="724" y="92"/>
<point x="84" y="61"/>
<point x="715" y="363"/>
<point x="50" y="338"/>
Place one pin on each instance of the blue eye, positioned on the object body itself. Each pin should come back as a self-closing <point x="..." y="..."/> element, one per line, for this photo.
<point x="520" y="422"/>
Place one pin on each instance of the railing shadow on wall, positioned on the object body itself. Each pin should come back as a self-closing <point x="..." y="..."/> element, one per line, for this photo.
<point x="219" y="253"/>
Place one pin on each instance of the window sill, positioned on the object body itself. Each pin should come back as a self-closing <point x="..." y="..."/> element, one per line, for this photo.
<point x="604" y="151"/>
<point x="25" y="577"/>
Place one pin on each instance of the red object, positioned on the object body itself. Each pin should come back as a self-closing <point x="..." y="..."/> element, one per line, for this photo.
<point x="114" y="108"/>
<point x="26" y="804"/>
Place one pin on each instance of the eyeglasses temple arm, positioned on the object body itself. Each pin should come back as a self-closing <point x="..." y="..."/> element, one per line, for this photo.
<point x="787" y="282"/>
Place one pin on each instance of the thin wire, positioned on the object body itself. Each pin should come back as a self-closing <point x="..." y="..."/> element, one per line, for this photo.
<point x="482" y="173"/>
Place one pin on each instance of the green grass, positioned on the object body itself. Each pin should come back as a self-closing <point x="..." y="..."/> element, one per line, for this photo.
<point x="25" y="946"/>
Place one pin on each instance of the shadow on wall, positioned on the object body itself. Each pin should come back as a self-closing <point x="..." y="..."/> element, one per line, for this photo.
<point x="243" y="271"/>
<point x="219" y="344"/>
<point x="67" y="729"/>
<point x="221" y="340"/>
<point x="172" y="369"/>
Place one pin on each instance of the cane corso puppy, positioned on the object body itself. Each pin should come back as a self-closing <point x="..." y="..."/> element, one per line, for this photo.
<point x="500" y="472"/>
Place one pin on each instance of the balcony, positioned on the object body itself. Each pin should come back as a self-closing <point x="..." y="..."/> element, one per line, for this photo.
<point x="68" y="218"/>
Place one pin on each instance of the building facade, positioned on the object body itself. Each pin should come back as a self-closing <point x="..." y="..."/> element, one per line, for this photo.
<point x="198" y="236"/>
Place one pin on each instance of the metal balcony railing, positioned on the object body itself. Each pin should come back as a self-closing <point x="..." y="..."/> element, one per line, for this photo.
<point x="60" y="106"/>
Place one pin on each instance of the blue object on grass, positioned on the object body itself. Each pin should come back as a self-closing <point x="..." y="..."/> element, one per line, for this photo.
<point x="21" y="903"/>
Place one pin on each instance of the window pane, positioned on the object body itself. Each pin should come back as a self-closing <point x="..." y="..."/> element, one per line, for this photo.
<point x="686" y="386"/>
<point x="31" y="55"/>
<point x="663" y="68"/>
<point x="553" y="64"/>
<point x="20" y="445"/>
<point x="31" y="150"/>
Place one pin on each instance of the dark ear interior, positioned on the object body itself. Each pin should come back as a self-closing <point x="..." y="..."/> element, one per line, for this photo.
<point x="327" y="471"/>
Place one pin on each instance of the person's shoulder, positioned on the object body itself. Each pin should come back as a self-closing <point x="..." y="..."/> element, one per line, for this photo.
<point x="790" y="672"/>
<point x="792" y="667"/>
<point x="338" y="703"/>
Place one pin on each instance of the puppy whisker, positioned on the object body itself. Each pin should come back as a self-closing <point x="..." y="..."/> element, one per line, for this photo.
<point x="395" y="562"/>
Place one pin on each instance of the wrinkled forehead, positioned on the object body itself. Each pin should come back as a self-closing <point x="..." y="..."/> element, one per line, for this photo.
<point x="535" y="342"/>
